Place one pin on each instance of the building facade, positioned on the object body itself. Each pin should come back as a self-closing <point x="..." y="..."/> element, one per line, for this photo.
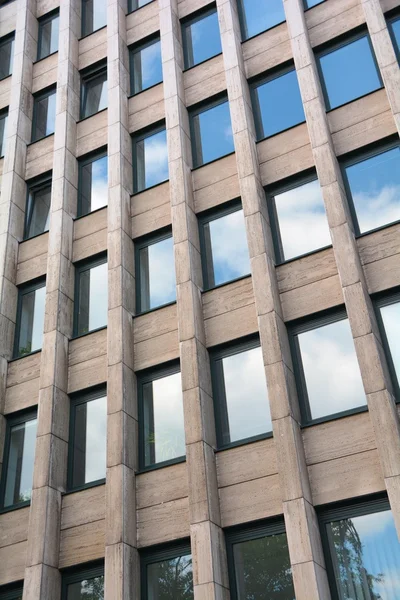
<point x="199" y="300"/>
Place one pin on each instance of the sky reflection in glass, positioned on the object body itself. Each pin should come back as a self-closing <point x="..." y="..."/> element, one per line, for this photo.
<point x="152" y="160"/>
<point x="391" y="321"/>
<point x="395" y="26"/>
<point x="202" y="39"/>
<point x="90" y="441"/>
<point x="259" y="16"/>
<point x="212" y="134"/>
<point x="147" y="67"/>
<point x="157" y="274"/>
<point x="18" y="485"/>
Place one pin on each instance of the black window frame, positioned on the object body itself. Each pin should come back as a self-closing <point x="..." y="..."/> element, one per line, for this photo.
<point x="50" y="16"/>
<point x="216" y="355"/>
<point x="159" y="553"/>
<point x="138" y="137"/>
<point x="12" y="592"/>
<point x="187" y="22"/>
<point x="379" y="301"/>
<point x="134" y="49"/>
<point x="12" y="420"/>
<point x="3" y="115"/>
<point x="341" y="42"/>
<point x="396" y="44"/>
<point x="83" y="21"/>
<point x="81" y="266"/>
<point x="87" y="75"/>
<point x="303" y="325"/>
<point x="144" y="242"/>
<point x="241" y="14"/>
<point x="83" y="161"/>
<point x="10" y="37"/>
<point x="77" y="574"/>
<point x="147" y="376"/>
<point x="132" y="8"/>
<point x="77" y="399"/>
<point x="33" y="186"/>
<point x="37" y="98"/>
<point x="196" y="110"/>
<point x="24" y="289"/>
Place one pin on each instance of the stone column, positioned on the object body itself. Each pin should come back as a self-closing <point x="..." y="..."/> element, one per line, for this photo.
<point x="121" y="557"/>
<point x="306" y="557"/>
<point x="371" y="358"/>
<point x="207" y="541"/>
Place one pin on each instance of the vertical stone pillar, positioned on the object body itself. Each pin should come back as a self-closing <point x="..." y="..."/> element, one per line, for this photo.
<point x="372" y="362"/>
<point x="207" y="542"/>
<point x="42" y="577"/>
<point x="121" y="557"/>
<point x="306" y="557"/>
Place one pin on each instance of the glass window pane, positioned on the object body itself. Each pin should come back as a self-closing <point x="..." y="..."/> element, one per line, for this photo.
<point x="311" y="3"/>
<point x="87" y="589"/>
<point x="93" y="299"/>
<point x="257" y="16"/>
<point x="38" y="211"/>
<point x="93" y="191"/>
<point x="94" y="15"/>
<point x="94" y="94"/>
<point x="227" y="254"/>
<point x="391" y="320"/>
<point x="135" y="4"/>
<point x="262" y="569"/>
<point x="349" y="72"/>
<point x="202" y="39"/>
<point x="164" y="435"/>
<point x="247" y="405"/>
<point x="278" y="104"/>
<point x="6" y="58"/>
<point x="48" y="37"/>
<point x="331" y="369"/>
<point x="3" y="133"/>
<point x="44" y="116"/>
<point x="170" y="579"/>
<point x="147" y="67"/>
<point x="366" y="556"/>
<point x="19" y="468"/>
<point x="151" y="161"/>
<point x="31" y="321"/>
<point x="212" y="133"/>
<point x="396" y="34"/>
<point x="89" y="451"/>
<point x="157" y="274"/>
<point x="302" y="222"/>
<point x="375" y="189"/>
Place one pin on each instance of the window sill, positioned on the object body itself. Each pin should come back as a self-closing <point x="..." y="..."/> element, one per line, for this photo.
<point x="13" y="507"/>
<point x="202" y="62"/>
<point x="40" y="139"/>
<point x="150" y="187"/>
<point x="336" y="416"/>
<point x="7" y="76"/>
<point x="92" y="32"/>
<point x="161" y="465"/>
<point x="139" y="7"/>
<point x="225" y="283"/>
<point x="92" y="212"/>
<point x="90" y="116"/>
<point x="135" y="94"/>
<point x="25" y="355"/>
<point x="81" y="335"/>
<point x="263" y="31"/>
<point x="306" y="9"/>
<point x="329" y="110"/>
<point x="151" y="310"/>
<point x="245" y="441"/>
<point x="87" y="486"/>
<point x="305" y="255"/>
<point x="210" y="162"/>
<point x="33" y="237"/>
<point x="269" y="137"/>
<point x="381" y="228"/>
<point x="44" y="57"/>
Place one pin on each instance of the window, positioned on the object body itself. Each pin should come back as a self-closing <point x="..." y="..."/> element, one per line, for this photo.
<point x="298" y="218"/>
<point x="135" y="4"/>
<point x="373" y="187"/>
<point x="311" y="3"/>
<point x="91" y="296"/>
<point x="362" y="551"/>
<point x="388" y="309"/>
<point x="240" y="393"/>
<point x="145" y="64"/>
<point x="30" y="319"/>
<point x="223" y="242"/>
<point x="6" y="56"/>
<point x="88" y="430"/>
<point x="150" y="159"/>
<point x="394" y="28"/>
<point x="348" y="71"/>
<point x="11" y="592"/>
<point x="167" y="573"/>
<point x="94" y="15"/>
<point x="83" y="584"/>
<point x="37" y="215"/>
<point x="326" y="367"/>
<point x="256" y="17"/>
<point x="155" y="272"/>
<point x="201" y="38"/>
<point x="277" y="104"/>
<point x="93" y="92"/>
<point x="48" y="35"/>
<point x="259" y="563"/>
<point x="93" y="183"/>
<point x="211" y="132"/>
<point x="161" y="430"/>
<point x="19" y="456"/>
<point x="44" y="115"/>
<point x="3" y="131"/>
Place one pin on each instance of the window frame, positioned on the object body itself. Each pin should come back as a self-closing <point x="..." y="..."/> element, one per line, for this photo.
<point x="396" y="44"/>
<point x="83" y="21"/>
<point x="159" y="553"/>
<point x="310" y="7"/>
<point x="198" y="109"/>
<point x="341" y="42"/>
<point x="10" y="37"/>
<point x="147" y="376"/>
<point x="24" y="289"/>
<point x="138" y="137"/>
<point x="12" y="420"/>
<point x="135" y="49"/>
<point x="3" y="115"/>
<point x="37" y="98"/>
<point x="75" y="575"/>
<point x="379" y="301"/>
<point x="34" y="186"/>
<point x="218" y="388"/>
<point x="191" y="20"/>
<point x="81" y="266"/>
<point x="87" y="75"/>
<point x="242" y="14"/>
<point x="12" y="592"/>
<point x="43" y="21"/>
<point x="83" y="162"/>
<point x="132" y="9"/>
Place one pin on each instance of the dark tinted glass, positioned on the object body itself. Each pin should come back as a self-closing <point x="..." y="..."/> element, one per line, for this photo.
<point x="146" y="67"/>
<point x="311" y="3"/>
<point x="262" y="569"/>
<point x="365" y="555"/>
<point x="278" y="105"/>
<point x="38" y="211"/>
<point x="156" y="274"/>
<point x="163" y="431"/>
<point x="212" y="134"/>
<point x="3" y="133"/>
<point x="48" y="37"/>
<point x="202" y="39"/>
<point x="395" y="27"/>
<point x="257" y="16"/>
<point x="20" y="459"/>
<point x="31" y="320"/>
<point x="94" y="15"/>
<point x="349" y="72"/>
<point x="94" y="90"/>
<point x="374" y="185"/>
<point x="151" y="161"/>
<point x="225" y="247"/>
<point x="301" y="220"/>
<point x="87" y="589"/>
<point x="44" y="115"/>
<point x="391" y="321"/>
<point x="93" y="185"/>
<point x="92" y="299"/>
<point x="89" y="441"/>
<point x="170" y="579"/>
<point x="6" y="57"/>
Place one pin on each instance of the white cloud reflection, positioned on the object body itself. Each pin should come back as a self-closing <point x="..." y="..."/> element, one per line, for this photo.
<point x="156" y="159"/>
<point x="162" y="273"/>
<point x="96" y="435"/>
<point x="391" y="319"/>
<point x="169" y="438"/>
<point x="229" y="247"/>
